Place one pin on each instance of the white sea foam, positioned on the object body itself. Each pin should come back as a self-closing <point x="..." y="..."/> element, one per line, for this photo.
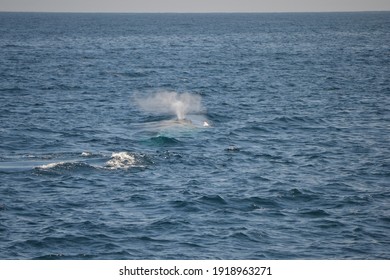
<point x="51" y="165"/>
<point x="121" y="160"/>
<point x="86" y="154"/>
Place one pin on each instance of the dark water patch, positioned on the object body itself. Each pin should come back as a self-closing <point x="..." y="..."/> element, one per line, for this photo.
<point x="56" y="245"/>
<point x="212" y="200"/>
<point x="162" y="141"/>
<point x="59" y="256"/>
<point x="297" y="195"/>
<point x="270" y="156"/>
<point x="386" y="219"/>
<point x="318" y="213"/>
<point x="187" y="206"/>
<point x="251" y="237"/>
<point x="232" y="148"/>
<point x="330" y="224"/>
<point x="254" y="203"/>
<point x="357" y="200"/>
<point x="191" y="245"/>
<point x="12" y="90"/>
<point x="139" y="198"/>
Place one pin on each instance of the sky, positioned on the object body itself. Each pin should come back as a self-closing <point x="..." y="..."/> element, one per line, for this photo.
<point x="193" y="5"/>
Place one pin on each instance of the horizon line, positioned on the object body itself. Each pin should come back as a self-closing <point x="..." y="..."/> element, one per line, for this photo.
<point x="195" y="12"/>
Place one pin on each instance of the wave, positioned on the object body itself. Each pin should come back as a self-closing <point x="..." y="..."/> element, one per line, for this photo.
<point x="117" y="160"/>
<point x="133" y="74"/>
<point x="64" y="165"/>
<point x="51" y="165"/>
<point x="14" y="89"/>
<point x="297" y="120"/>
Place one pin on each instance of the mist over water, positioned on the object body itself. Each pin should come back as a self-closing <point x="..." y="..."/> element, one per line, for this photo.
<point x="170" y="102"/>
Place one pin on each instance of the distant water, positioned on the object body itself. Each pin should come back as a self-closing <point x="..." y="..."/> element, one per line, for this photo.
<point x="294" y="162"/>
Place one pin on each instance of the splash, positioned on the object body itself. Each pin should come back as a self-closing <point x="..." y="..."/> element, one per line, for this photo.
<point x="169" y="102"/>
<point x="121" y="160"/>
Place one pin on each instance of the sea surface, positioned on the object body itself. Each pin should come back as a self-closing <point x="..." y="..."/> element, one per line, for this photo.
<point x="280" y="150"/>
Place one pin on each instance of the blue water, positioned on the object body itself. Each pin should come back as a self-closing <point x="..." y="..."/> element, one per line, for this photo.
<point x="295" y="162"/>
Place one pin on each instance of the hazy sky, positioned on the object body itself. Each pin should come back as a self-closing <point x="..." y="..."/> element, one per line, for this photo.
<point x="194" y="5"/>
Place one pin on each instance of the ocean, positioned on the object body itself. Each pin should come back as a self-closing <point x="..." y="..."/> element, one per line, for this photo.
<point x="195" y="136"/>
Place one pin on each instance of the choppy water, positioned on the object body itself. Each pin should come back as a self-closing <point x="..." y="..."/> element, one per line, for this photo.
<point x="295" y="162"/>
